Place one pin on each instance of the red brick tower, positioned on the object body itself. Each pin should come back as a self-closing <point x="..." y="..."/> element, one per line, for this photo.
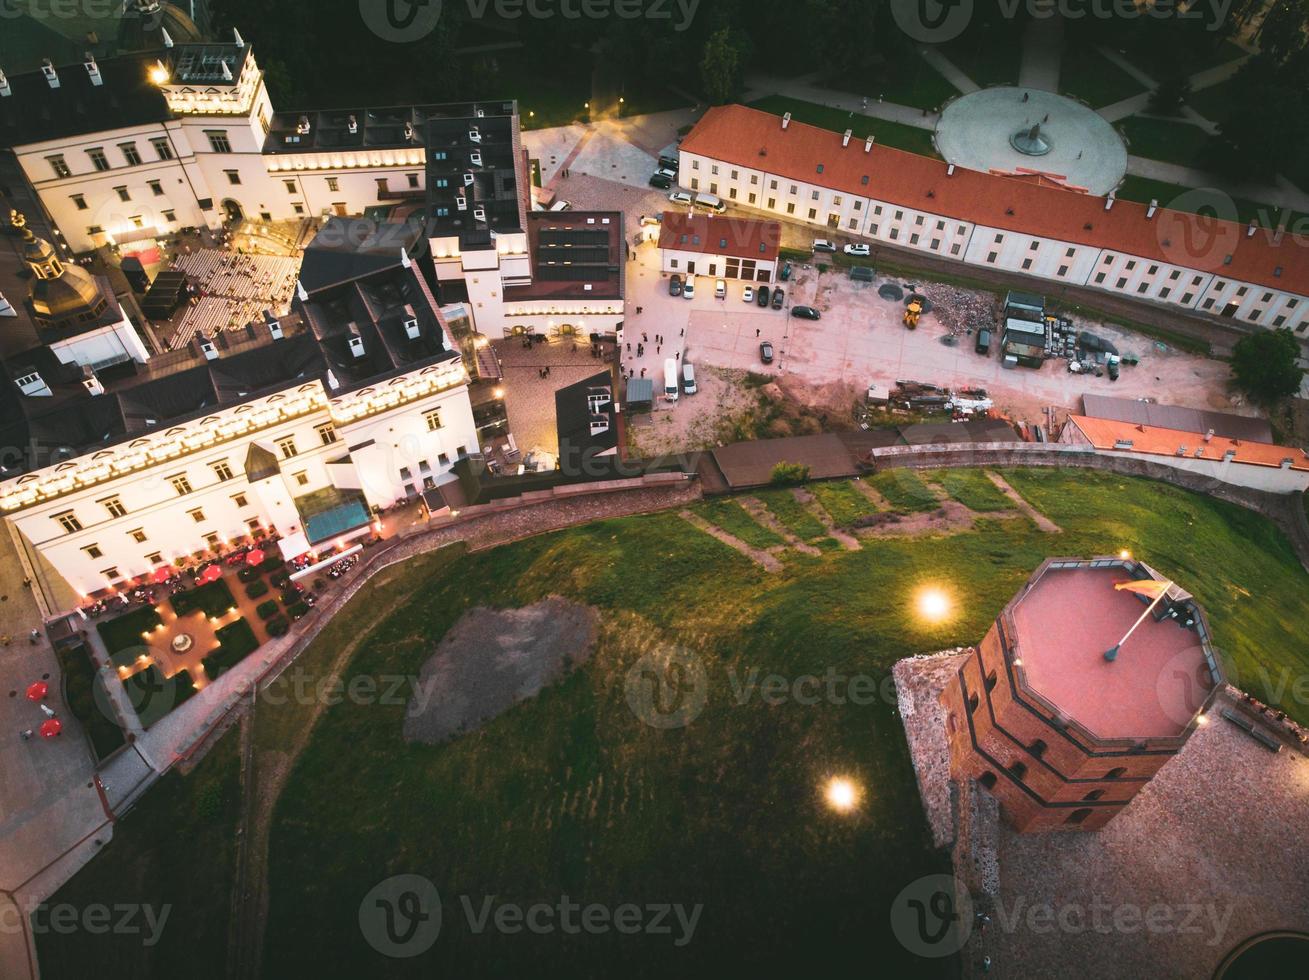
<point x="1063" y="737"/>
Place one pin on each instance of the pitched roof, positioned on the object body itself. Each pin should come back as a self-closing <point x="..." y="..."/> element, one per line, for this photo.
<point x="1133" y="410"/>
<point x="1155" y="441"/>
<point x="742" y="237"/>
<point x="751" y="138"/>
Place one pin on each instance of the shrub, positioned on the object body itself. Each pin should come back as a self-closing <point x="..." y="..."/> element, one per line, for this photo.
<point x="298" y="610"/>
<point x="255" y="589"/>
<point x="236" y="641"/>
<point x="213" y="599"/>
<point x="277" y="627"/>
<point x="280" y="581"/>
<point x="250" y="573"/>
<point x="267" y="610"/>
<point x="784" y="473"/>
<point x="124" y="633"/>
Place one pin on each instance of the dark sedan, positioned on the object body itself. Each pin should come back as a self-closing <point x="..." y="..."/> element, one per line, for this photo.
<point x="766" y="352"/>
<point x="763" y="296"/>
<point x="675" y="286"/>
<point x="779" y="297"/>
<point x="806" y="313"/>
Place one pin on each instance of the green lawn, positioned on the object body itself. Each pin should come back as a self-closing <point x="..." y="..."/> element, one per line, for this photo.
<point x="736" y="521"/>
<point x="843" y="502"/>
<point x="913" y="83"/>
<point x="985" y="61"/>
<point x="904" y="490"/>
<point x="569" y="793"/>
<point x="972" y="488"/>
<point x="838" y="120"/>
<point x="1144" y="190"/>
<point x="1093" y="78"/>
<point x="1160" y="139"/>
<point x="123" y="635"/>
<point x="175" y="849"/>
<point x="794" y="515"/>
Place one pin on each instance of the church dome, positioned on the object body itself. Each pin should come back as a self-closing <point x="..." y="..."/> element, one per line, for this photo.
<point x="59" y="293"/>
<point x="144" y="22"/>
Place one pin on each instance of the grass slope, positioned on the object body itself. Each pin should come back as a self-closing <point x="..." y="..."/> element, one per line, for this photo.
<point x="736" y="521"/>
<point x="842" y="502"/>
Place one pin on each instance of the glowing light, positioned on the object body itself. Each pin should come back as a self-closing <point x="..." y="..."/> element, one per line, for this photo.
<point x="1124" y="554"/>
<point x="933" y="604"/>
<point x="499" y="393"/>
<point x="159" y="74"/>
<point x="1202" y="720"/>
<point x="841" y="794"/>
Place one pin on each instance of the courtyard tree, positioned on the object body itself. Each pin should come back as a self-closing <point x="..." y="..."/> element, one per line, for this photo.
<point x="722" y="66"/>
<point x="1264" y="365"/>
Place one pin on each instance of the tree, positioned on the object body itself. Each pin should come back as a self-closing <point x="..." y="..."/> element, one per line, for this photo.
<point x="1269" y="124"/>
<point x="1282" y="32"/>
<point x="784" y="473"/>
<point x="721" y="66"/>
<point x="1171" y="95"/>
<point x="1264" y="365"/>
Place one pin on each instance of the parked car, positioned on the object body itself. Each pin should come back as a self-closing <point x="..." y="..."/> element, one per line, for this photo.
<point x="710" y="202"/>
<point x="651" y="220"/>
<point x="667" y="162"/>
<point x="786" y="271"/>
<point x="779" y="297"/>
<point x="823" y="245"/>
<point x="661" y="180"/>
<point x="720" y="289"/>
<point x="983" y="344"/>
<point x="675" y="285"/>
<point x="688" y="378"/>
<point x="806" y="313"/>
<point x="766" y="352"/>
<point x="560" y="206"/>
<point x="680" y="197"/>
<point x="688" y="291"/>
<point x="860" y="249"/>
<point x="747" y="294"/>
<point x="763" y="296"/>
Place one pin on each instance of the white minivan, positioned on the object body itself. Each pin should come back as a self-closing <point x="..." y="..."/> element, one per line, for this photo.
<point x="672" y="387"/>
<point x="688" y="378"/>
<point x="710" y="203"/>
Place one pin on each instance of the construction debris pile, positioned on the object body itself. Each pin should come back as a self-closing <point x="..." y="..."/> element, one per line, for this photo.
<point x="960" y="311"/>
<point x="919" y="396"/>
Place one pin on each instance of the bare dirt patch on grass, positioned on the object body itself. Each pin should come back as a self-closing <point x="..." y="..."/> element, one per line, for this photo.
<point x="951" y="517"/>
<point x="492" y="659"/>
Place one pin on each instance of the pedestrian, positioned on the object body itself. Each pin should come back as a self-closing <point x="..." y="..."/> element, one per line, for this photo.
<point x="49" y="711"/>
<point x="658" y="349"/>
<point x="756" y="332"/>
<point x="1047" y="118"/>
<point x="35" y="635"/>
<point x="677" y="356"/>
<point x="25" y="734"/>
<point x="682" y="332"/>
<point x="643" y="372"/>
<point x="645" y="339"/>
<point x="629" y="347"/>
<point x="1026" y="96"/>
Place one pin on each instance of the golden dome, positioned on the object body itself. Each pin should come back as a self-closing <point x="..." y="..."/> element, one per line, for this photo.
<point x="144" y="21"/>
<point x="59" y="292"/>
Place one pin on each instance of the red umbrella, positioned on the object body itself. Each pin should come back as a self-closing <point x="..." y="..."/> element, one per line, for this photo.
<point x="38" y="691"/>
<point x="255" y="557"/>
<point x="162" y="574"/>
<point x="51" y="728"/>
<point x="211" y="574"/>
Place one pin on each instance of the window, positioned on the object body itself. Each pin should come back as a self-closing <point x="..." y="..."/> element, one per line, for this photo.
<point x="990" y="681"/>
<point x="1027" y="264"/>
<point x="93" y="551"/>
<point x="122" y="193"/>
<point x="790" y="207"/>
<point x="155" y="558"/>
<point x="240" y="500"/>
<point x="130" y="153"/>
<point x="992" y="257"/>
<point x="68" y="520"/>
<point x="112" y="574"/>
<point x="197" y="515"/>
<point x="218" y="141"/>
<point x="212" y="540"/>
<point x="813" y="214"/>
<point x="1018" y="770"/>
<point x="736" y="175"/>
<point x="287" y="447"/>
<point x="233" y="176"/>
<point x="913" y="239"/>
<point x="1037" y="748"/>
<point x="1070" y="253"/>
<point x="59" y="165"/>
<point x="954" y="249"/>
<point x="302" y="479"/>
<point x="115" y="506"/>
<point x="170" y="217"/>
<point x="988" y="780"/>
<point x="1063" y="270"/>
<point x="162" y="149"/>
<point x="289" y="185"/>
<point x="1163" y="293"/>
<point x="1092" y="796"/>
<point x="433" y="420"/>
<point x="1116" y="773"/>
<point x="253" y="524"/>
<point x="972" y="703"/>
<point x="813" y="195"/>
<point x="1035" y="246"/>
<point x="1187" y="297"/>
<point x="98" y="158"/>
<point x="1122" y="281"/>
<point x="1078" y="816"/>
<point x="298" y="208"/>
<point x="713" y="169"/>
<point x="413" y="179"/>
<point x="138" y="535"/>
<point x="999" y="239"/>
<point x="80" y="201"/>
<point x="222" y="469"/>
<point x="326" y="432"/>
<point x="181" y="483"/>
<point x="333" y="184"/>
<point x="156" y="188"/>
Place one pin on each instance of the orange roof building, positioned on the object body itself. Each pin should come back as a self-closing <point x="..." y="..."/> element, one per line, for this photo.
<point x="724" y="247"/>
<point x="842" y="182"/>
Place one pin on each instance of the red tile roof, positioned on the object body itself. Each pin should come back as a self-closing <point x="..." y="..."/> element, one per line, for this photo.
<point x="741" y="237"/>
<point x="750" y="138"/>
<point x="1150" y="439"/>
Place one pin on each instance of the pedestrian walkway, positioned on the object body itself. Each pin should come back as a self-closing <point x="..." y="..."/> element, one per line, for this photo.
<point x="760" y="85"/>
<point x="947" y="68"/>
<point x="1043" y="52"/>
<point x="1280" y="194"/>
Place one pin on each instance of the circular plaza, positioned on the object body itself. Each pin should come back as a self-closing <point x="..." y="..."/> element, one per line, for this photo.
<point x="1015" y="129"/>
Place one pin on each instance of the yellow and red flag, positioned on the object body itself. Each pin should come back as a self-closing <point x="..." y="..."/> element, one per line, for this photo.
<point x="1146" y="587"/>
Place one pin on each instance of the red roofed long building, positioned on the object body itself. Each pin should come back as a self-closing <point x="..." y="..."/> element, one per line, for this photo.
<point x="727" y="248"/>
<point x="843" y="183"/>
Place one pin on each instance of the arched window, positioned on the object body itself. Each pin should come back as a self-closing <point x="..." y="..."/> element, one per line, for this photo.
<point x="972" y="703"/>
<point x="1116" y="773"/>
<point x="1078" y="816"/>
<point x="1037" y="748"/>
<point x="990" y="681"/>
<point x="1095" y="794"/>
<point x="988" y="779"/>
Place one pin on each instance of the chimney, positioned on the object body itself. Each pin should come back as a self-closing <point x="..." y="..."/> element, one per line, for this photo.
<point x="469" y="180"/>
<point x="236" y="37"/>
<point x="474" y="134"/>
<point x="1109" y="201"/>
<point x="6" y="307"/>
<point x="949" y="171"/>
<point x="479" y="214"/>
<point x="51" y="76"/>
<point x="475" y="158"/>
<point x="356" y="341"/>
<point x="868" y="144"/>
<point x="1149" y="212"/>
<point x="405" y="262"/>
<point x="786" y="119"/>
<point x="845" y="137"/>
<point x="227" y="72"/>
<point x="1229" y="455"/>
<point x="1209" y="436"/>
<point x="1287" y="463"/>
<point x="208" y="349"/>
<point x="409" y="130"/>
<point x="300" y="291"/>
<point x="93" y="70"/>
<point x="274" y="325"/>
<point x="91" y="383"/>
<point x="1249" y="232"/>
<point x="352" y="125"/>
<point x="167" y="38"/>
<point x="411" y="322"/>
<point x="302" y="125"/>
<point x="34" y="385"/>
<point x="5" y="89"/>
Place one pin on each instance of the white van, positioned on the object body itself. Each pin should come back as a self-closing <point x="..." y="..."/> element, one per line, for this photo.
<point x="672" y="387"/>
<point x="710" y="203"/>
<point x="720" y="289"/>
<point x="688" y="378"/>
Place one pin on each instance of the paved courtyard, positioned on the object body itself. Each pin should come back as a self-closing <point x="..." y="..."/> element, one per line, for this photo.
<point x="529" y="397"/>
<point x="1085" y="149"/>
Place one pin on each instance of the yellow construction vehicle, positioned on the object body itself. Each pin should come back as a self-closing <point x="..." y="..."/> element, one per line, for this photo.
<point x="911" y="314"/>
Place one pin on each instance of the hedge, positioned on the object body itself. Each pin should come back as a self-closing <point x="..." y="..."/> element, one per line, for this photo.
<point x="277" y="627"/>
<point x="79" y="692"/>
<point x="298" y="610"/>
<point x="256" y="589"/>
<point x="250" y="573"/>
<point x="125" y="632"/>
<point x="213" y="599"/>
<point x="236" y="641"/>
<point x="267" y="610"/>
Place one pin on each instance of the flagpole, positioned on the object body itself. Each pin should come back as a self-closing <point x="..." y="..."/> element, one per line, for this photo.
<point x="1112" y="653"/>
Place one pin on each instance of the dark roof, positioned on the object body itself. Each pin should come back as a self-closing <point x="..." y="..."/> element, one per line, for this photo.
<point x="350" y="248"/>
<point x="970" y="430"/>
<point x="586" y="418"/>
<point x="35" y="112"/>
<point x="494" y="186"/>
<point x="750" y="464"/>
<point x="575" y="255"/>
<point x="1175" y="417"/>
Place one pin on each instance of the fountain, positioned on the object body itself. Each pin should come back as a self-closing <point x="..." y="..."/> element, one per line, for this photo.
<point x="1031" y="142"/>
